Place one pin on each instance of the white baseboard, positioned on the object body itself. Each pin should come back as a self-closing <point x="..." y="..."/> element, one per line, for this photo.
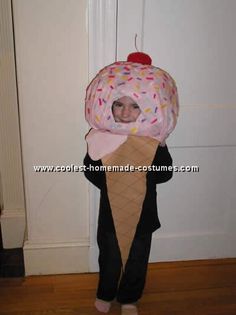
<point x="93" y="259"/>
<point x="191" y="247"/>
<point x="184" y="247"/>
<point x="55" y="258"/>
<point x="13" y="228"/>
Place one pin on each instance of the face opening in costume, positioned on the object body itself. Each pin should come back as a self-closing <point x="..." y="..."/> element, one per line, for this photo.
<point x="125" y="110"/>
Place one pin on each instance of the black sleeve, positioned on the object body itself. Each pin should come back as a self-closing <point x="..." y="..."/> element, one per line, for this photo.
<point x="163" y="164"/>
<point x="92" y="173"/>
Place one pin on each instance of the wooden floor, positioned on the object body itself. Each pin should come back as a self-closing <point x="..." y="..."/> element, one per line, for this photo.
<point x="186" y="288"/>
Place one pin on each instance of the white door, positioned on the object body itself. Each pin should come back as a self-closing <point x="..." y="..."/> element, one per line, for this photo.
<point x="194" y="41"/>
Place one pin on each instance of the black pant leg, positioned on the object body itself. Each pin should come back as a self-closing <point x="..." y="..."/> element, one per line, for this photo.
<point x="134" y="276"/>
<point x="110" y="265"/>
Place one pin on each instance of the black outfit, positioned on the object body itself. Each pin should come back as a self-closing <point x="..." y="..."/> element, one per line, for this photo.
<point x="131" y="285"/>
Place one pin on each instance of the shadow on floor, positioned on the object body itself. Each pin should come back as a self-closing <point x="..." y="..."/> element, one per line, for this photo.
<point x="11" y="261"/>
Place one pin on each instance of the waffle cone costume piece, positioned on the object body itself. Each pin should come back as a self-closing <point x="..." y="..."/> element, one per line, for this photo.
<point x="134" y="143"/>
<point x="126" y="190"/>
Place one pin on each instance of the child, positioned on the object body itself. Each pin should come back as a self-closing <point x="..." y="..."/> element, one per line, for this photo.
<point x="132" y="108"/>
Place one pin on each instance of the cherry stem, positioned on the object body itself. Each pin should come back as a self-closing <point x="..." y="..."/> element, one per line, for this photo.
<point x="135" y="42"/>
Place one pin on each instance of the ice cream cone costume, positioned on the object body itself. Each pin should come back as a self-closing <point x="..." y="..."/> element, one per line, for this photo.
<point x="126" y="190"/>
<point x="134" y="143"/>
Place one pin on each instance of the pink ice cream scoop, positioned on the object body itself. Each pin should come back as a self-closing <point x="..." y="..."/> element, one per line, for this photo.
<point x="152" y="88"/>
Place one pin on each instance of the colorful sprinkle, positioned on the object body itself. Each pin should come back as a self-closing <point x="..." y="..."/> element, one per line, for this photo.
<point x="143" y="120"/>
<point x="122" y="83"/>
<point x="124" y="77"/>
<point x="139" y="78"/>
<point x="100" y="101"/>
<point x="109" y="117"/>
<point x="154" y="95"/>
<point x="156" y="109"/>
<point x="112" y="87"/>
<point x="154" y="120"/>
<point x="104" y="101"/>
<point x="136" y="95"/>
<point x="126" y="73"/>
<point x="174" y="100"/>
<point x="137" y="87"/>
<point x="97" y="118"/>
<point x="157" y="74"/>
<point x="99" y="90"/>
<point x="127" y="68"/>
<point x="131" y="78"/>
<point x="149" y="78"/>
<point x="134" y="130"/>
<point x="147" y="110"/>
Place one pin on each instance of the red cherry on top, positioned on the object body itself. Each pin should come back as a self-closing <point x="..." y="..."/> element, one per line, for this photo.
<point x="139" y="57"/>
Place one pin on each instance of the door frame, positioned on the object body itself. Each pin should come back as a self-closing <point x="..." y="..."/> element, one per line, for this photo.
<point x="102" y="32"/>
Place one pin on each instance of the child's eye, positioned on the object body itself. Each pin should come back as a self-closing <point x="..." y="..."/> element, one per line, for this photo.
<point x="135" y="106"/>
<point x="117" y="104"/>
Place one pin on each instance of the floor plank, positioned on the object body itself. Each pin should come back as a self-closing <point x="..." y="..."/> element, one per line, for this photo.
<point x="173" y="288"/>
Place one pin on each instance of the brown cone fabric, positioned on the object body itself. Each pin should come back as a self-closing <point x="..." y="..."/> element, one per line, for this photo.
<point x="126" y="190"/>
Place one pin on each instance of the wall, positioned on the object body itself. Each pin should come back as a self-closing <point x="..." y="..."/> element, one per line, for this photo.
<point x="52" y="65"/>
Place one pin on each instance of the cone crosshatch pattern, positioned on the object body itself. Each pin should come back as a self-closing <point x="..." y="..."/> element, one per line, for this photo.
<point x="126" y="190"/>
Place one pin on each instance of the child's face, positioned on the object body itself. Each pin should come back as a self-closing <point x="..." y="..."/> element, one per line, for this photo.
<point x="125" y="110"/>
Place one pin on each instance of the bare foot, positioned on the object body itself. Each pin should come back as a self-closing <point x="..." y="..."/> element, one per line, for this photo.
<point x="102" y="306"/>
<point x="129" y="309"/>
